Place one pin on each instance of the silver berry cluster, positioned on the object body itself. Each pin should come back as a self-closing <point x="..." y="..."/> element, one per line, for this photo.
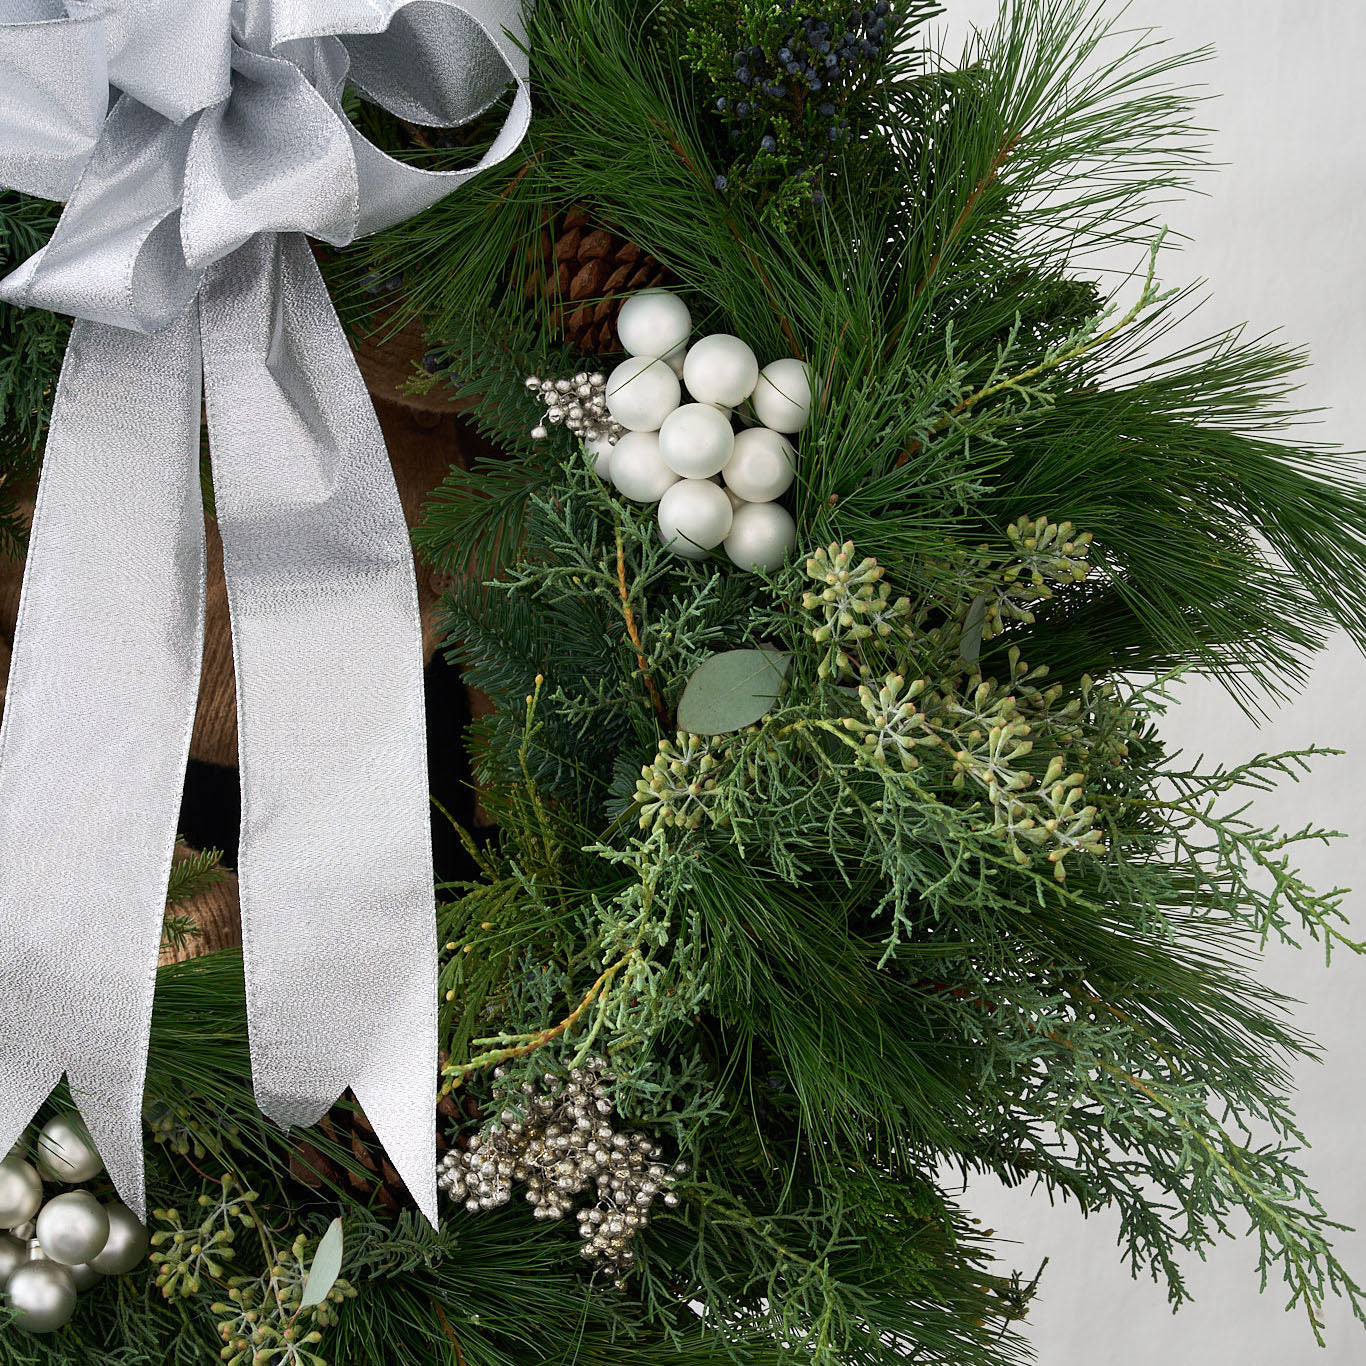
<point x="558" y="1140"/>
<point x="580" y="403"/>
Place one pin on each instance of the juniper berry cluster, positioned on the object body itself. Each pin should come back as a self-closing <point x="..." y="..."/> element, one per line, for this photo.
<point x="813" y="55"/>
<point x="788" y="82"/>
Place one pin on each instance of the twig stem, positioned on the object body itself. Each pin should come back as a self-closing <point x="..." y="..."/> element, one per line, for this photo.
<point x="633" y="632"/>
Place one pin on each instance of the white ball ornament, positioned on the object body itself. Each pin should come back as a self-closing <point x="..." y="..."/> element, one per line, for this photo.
<point x="638" y="469"/>
<point x="65" y="1151"/>
<point x="127" y="1243"/>
<point x="42" y="1295"/>
<point x="653" y="322"/>
<point x="600" y="448"/>
<point x="675" y="359"/>
<point x="720" y="369"/>
<point x="782" y="397"/>
<point x="696" y="440"/>
<point x="21" y="1192"/>
<point x="73" y="1228"/>
<point x="694" y="517"/>
<point x="761" y="535"/>
<point x="641" y="393"/>
<point x="762" y="465"/>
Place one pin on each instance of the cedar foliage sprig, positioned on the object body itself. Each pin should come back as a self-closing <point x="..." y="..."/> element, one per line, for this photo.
<point x="844" y="977"/>
<point x="1112" y="1030"/>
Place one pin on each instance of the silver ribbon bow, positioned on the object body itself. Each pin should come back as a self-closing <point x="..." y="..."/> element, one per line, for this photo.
<point x="195" y="142"/>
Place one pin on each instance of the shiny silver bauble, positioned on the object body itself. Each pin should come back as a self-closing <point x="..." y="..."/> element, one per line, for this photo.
<point x="84" y="1275"/>
<point x="126" y="1245"/>
<point x="65" y="1152"/>
<point x="73" y="1228"/>
<point x="21" y="1192"/>
<point x="13" y="1254"/>
<point x="42" y="1295"/>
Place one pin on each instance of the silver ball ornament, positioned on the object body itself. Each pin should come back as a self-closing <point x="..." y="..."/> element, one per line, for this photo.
<point x="84" y="1275"/>
<point x="21" y="1192"/>
<point x="126" y="1245"/>
<point x="65" y="1151"/>
<point x="42" y="1295"/>
<point x="13" y="1254"/>
<point x="73" y="1227"/>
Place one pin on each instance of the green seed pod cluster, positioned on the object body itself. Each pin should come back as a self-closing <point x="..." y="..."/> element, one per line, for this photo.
<point x="854" y="603"/>
<point x="1045" y="555"/>
<point x="679" y="787"/>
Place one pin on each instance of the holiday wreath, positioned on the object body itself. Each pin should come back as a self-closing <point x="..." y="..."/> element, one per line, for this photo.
<point x="841" y="541"/>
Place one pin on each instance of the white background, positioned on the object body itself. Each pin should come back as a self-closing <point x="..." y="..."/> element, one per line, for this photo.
<point x="1281" y="239"/>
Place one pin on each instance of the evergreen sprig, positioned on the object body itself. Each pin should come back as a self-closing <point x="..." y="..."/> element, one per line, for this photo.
<point x="31" y="346"/>
<point x="845" y="926"/>
<point x="815" y="896"/>
<point x="837" y="959"/>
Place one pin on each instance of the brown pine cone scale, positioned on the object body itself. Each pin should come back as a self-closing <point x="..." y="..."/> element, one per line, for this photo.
<point x="586" y="271"/>
<point x="345" y="1125"/>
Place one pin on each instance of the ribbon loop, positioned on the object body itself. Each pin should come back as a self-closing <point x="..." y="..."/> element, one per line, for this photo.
<point x="238" y="106"/>
<point x="54" y="94"/>
<point x="272" y="157"/>
<point x="194" y="141"/>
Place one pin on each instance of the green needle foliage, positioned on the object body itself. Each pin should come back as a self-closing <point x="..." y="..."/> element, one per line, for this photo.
<point x="951" y="904"/>
<point x="31" y="346"/>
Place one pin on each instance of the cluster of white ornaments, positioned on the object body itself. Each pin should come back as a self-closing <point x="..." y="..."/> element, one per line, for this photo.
<point x="53" y="1248"/>
<point x="715" y="486"/>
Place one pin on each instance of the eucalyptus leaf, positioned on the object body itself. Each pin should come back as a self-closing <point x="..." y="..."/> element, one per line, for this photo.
<point x="970" y="646"/>
<point x="327" y="1260"/>
<point x="732" y="690"/>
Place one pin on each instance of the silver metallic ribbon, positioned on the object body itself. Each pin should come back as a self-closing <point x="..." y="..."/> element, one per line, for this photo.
<point x="195" y="142"/>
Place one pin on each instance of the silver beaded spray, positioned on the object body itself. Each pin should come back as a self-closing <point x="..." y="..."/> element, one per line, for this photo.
<point x="580" y="403"/>
<point x="558" y="1142"/>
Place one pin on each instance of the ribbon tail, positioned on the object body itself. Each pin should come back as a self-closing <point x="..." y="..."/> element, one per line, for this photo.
<point x="335" y="870"/>
<point x="96" y="731"/>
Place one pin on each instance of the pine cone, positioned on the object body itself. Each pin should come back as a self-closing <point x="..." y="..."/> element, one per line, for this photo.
<point x="586" y="272"/>
<point x="346" y="1125"/>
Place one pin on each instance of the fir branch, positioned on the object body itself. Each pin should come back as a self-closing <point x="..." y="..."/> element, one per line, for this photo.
<point x="192" y="873"/>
